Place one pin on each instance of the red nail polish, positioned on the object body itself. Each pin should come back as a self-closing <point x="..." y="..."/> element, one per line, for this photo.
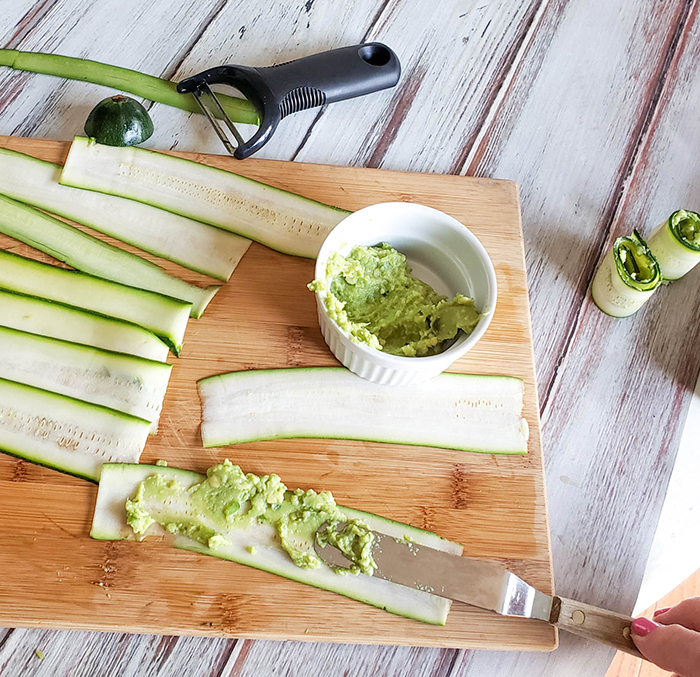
<point x="658" y="612"/>
<point x="643" y="626"/>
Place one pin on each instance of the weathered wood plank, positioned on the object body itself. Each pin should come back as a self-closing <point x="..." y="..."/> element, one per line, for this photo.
<point x="338" y="660"/>
<point x="567" y="131"/>
<point x="18" y="17"/>
<point x="86" y="654"/>
<point x="444" y="95"/>
<point x="242" y="34"/>
<point x="612" y="420"/>
<point x="4" y="634"/>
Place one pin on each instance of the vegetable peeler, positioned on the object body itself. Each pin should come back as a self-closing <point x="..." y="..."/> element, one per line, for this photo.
<point x="278" y="91"/>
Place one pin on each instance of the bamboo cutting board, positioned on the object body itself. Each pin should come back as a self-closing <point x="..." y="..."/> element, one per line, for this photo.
<point x="53" y="575"/>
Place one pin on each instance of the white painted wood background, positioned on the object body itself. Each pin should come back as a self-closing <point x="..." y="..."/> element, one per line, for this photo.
<point x="592" y="106"/>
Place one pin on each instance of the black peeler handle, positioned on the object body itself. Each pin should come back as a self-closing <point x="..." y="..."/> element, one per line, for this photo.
<point x="333" y="76"/>
<point x="278" y="91"/>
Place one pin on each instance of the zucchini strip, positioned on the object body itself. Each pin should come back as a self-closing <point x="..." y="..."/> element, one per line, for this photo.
<point x="90" y="255"/>
<point x="627" y="277"/>
<point x="119" y="482"/>
<point x="164" y="316"/>
<point x="132" y="385"/>
<point x="64" y="433"/>
<point x="57" y="320"/>
<point x="283" y="221"/>
<point x="123" y="79"/>
<point x="676" y="244"/>
<point x="189" y="243"/>
<point x="454" y="411"/>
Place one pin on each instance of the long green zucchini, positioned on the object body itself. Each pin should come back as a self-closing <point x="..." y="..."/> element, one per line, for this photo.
<point x="57" y="320"/>
<point x="283" y="221"/>
<point x="164" y="316"/>
<point x="90" y="255"/>
<point x="125" y="383"/>
<point x="66" y="434"/>
<point x="123" y="79"/>
<point x="258" y="545"/>
<point x="454" y="411"/>
<point x="627" y="277"/>
<point x="190" y="243"/>
<point x="676" y="244"/>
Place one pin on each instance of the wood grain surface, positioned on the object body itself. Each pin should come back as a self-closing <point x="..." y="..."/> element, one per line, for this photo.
<point x="264" y="317"/>
<point x="591" y="106"/>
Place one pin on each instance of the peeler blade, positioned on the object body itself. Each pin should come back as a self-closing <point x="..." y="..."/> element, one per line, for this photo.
<point x="203" y="94"/>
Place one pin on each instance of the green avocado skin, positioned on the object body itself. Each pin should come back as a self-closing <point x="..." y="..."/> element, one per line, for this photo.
<point x="119" y="121"/>
<point x="372" y="294"/>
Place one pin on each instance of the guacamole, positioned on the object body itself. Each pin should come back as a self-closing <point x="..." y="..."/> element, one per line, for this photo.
<point x="686" y="225"/>
<point x="229" y="500"/>
<point x="371" y="294"/>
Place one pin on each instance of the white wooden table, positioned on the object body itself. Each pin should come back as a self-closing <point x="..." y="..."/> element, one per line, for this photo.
<point x="592" y="106"/>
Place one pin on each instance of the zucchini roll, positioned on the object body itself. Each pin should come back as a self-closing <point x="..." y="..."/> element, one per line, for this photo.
<point x="627" y="277"/>
<point x="676" y="244"/>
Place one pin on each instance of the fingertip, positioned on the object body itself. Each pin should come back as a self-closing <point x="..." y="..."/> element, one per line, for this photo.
<point x="671" y="647"/>
<point x="643" y="626"/>
<point x="663" y="610"/>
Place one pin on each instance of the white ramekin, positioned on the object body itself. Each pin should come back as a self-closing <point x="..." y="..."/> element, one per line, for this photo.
<point x="442" y="252"/>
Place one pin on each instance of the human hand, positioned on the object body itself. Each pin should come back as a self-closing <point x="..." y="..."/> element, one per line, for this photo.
<point x="672" y="639"/>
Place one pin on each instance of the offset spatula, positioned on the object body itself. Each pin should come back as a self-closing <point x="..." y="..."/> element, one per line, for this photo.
<point x="278" y="91"/>
<point x="487" y="586"/>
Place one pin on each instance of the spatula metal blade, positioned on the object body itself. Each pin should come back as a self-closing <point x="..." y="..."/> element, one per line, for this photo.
<point x="476" y="582"/>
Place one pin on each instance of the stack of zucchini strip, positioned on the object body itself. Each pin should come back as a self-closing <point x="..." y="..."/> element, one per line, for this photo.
<point x="58" y="320"/>
<point x="164" y="316"/>
<point x="627" y="277"/>
<point x="83" y="375"/>
<point x="90" y="255"/>
<point x="66" y="404"/>
<point x="191" y="244"/>
<point x="132" y="385"/>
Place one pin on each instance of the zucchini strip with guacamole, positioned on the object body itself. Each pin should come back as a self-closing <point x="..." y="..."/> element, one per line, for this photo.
<point x="627" y="277"/>
<point x="123" y="79"/>
<point x="255" y="520"/>
<point x="676" y="244"/>
<point x="90" y="255"/>
<point x="453" y="411"/>
<point x="284" y="221"/>
<point x="189" y="243"/>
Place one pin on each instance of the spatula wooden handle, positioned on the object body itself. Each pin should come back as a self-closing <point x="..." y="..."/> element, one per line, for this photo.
<point x="594" y="623"/>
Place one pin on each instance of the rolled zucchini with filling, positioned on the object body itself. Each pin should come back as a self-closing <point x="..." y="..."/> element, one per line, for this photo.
<point x="627" y="278"/>
<point x="676" y="244"/>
